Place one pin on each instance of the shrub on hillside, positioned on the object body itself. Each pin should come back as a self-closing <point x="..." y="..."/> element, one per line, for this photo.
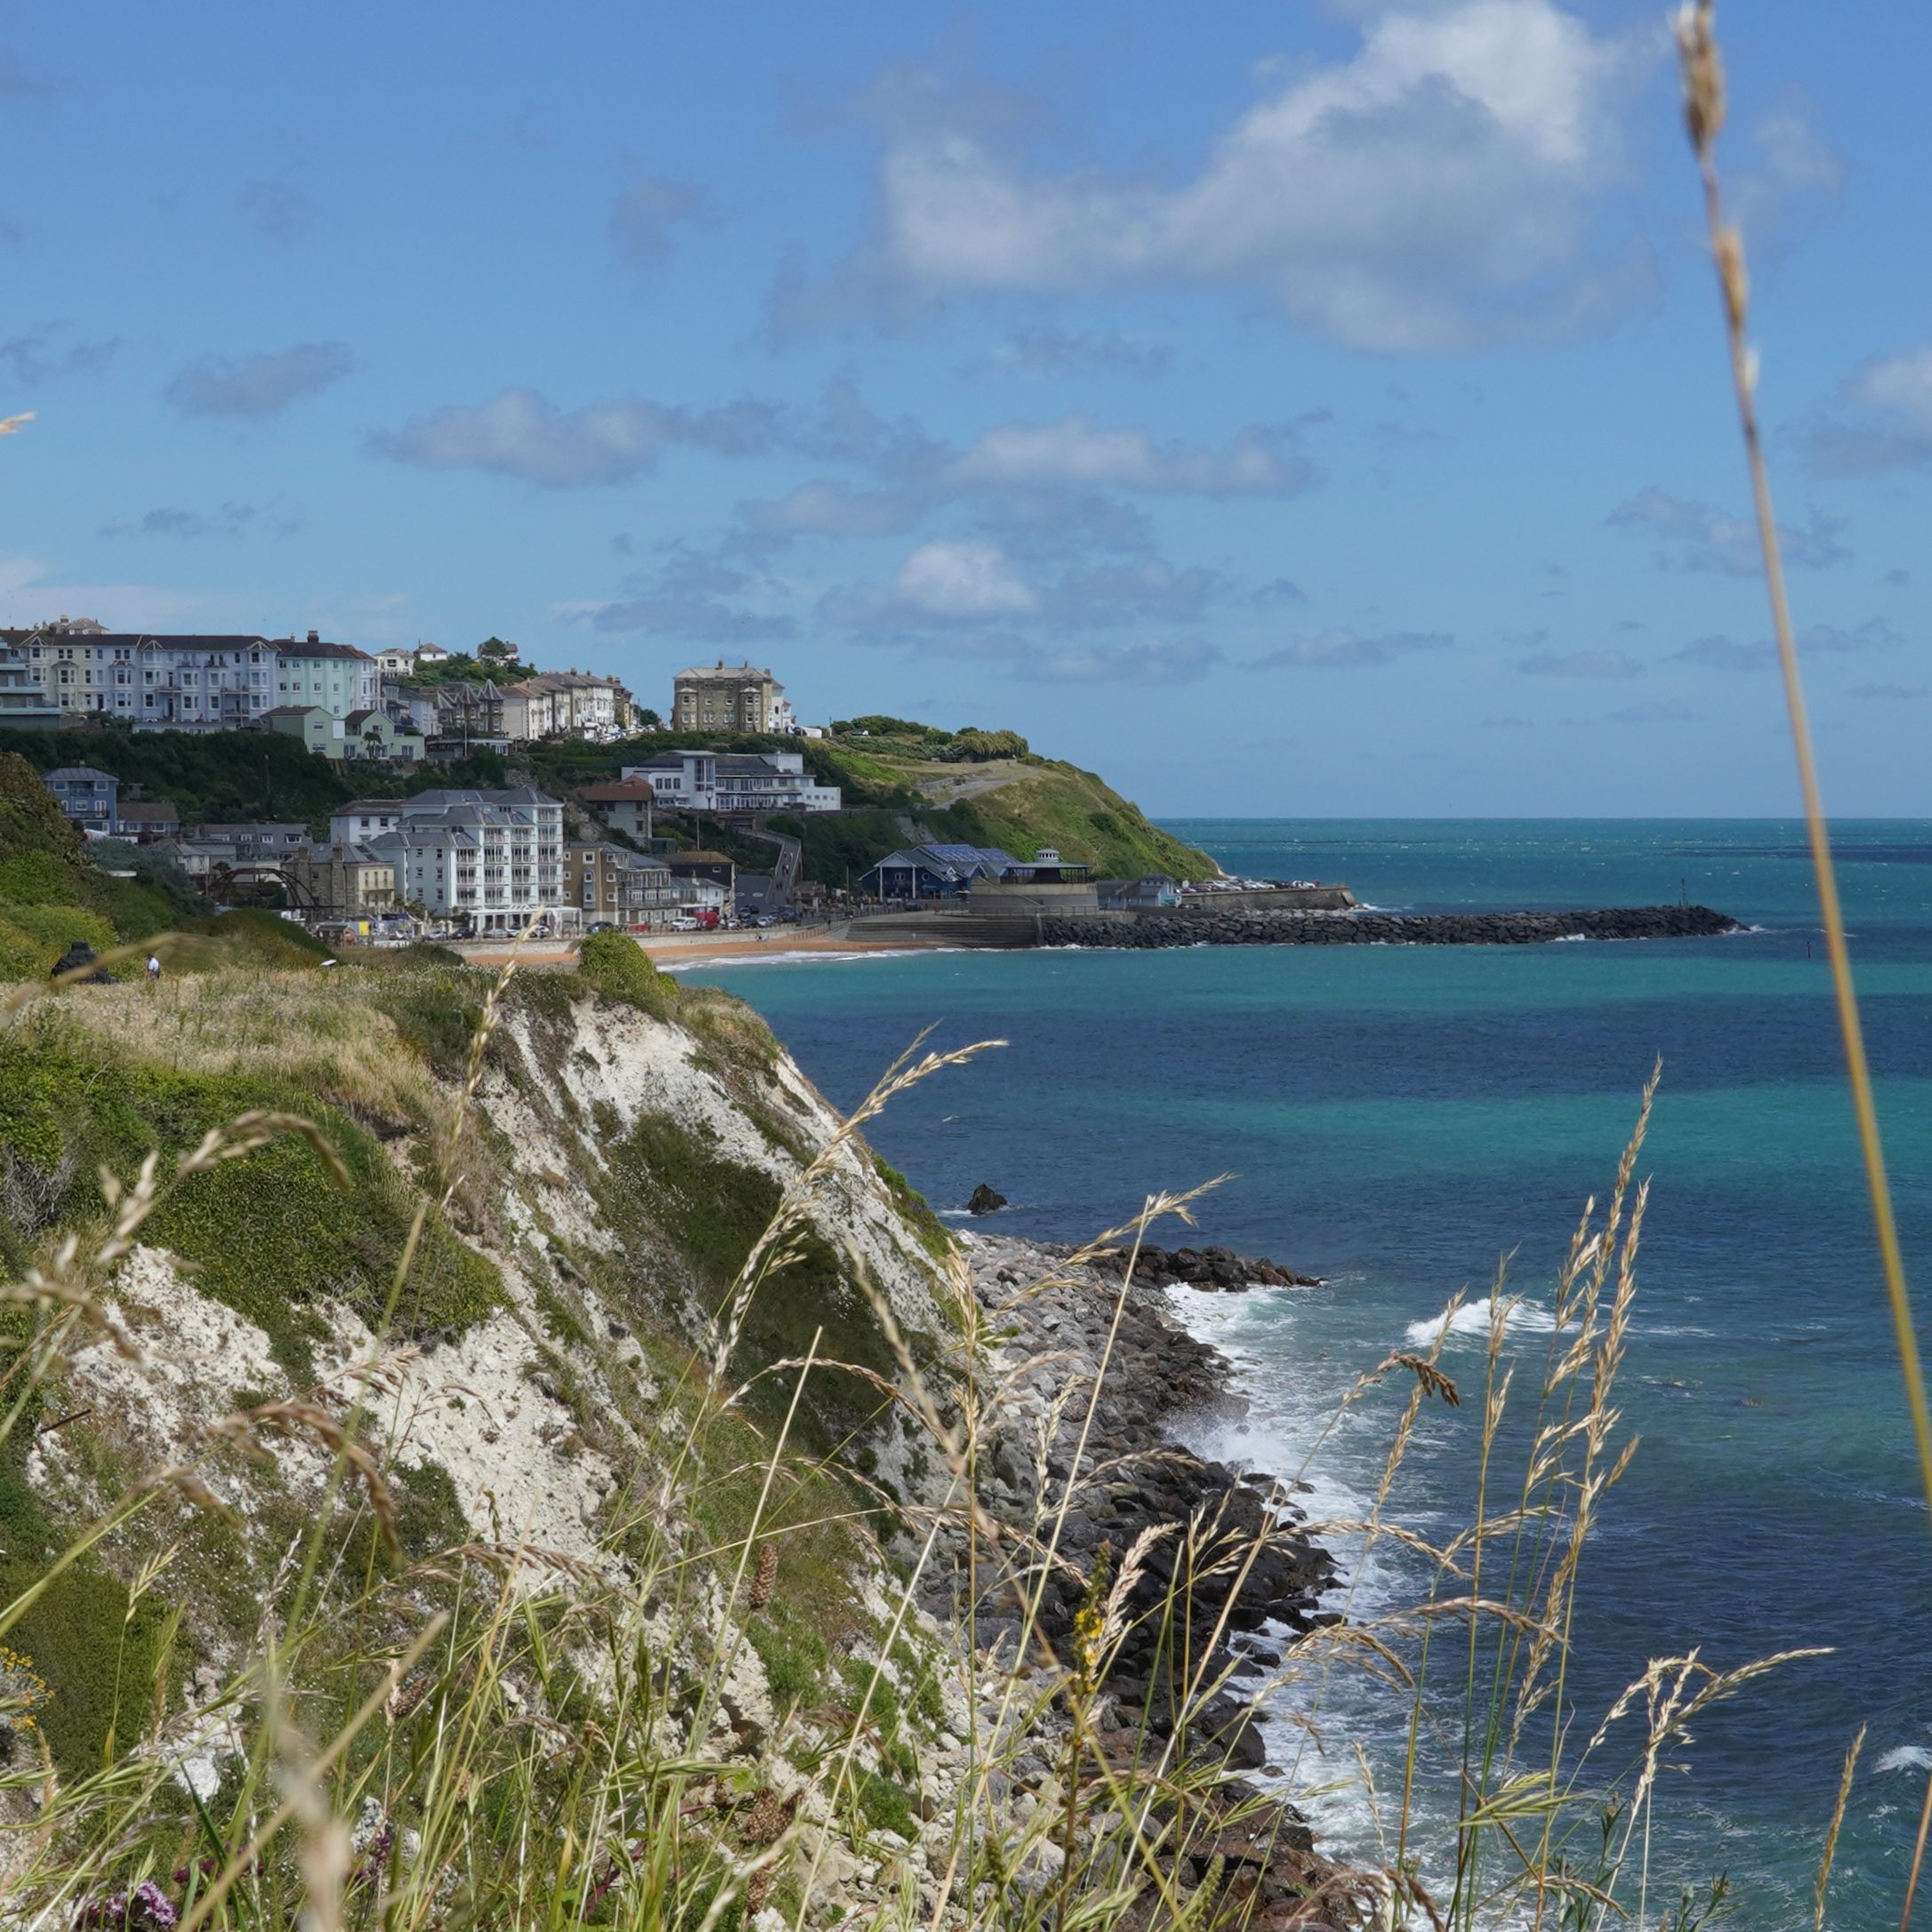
<point x="614" y="964"/>
<point x="976" y="746"/>
<point x="32" y="938"/>
<point x="878" y="725"/>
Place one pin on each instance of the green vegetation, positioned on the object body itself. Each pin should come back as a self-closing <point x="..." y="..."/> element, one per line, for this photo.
<point x="609" y="1705"/>
<point x="271" y="1234"/>
<point x="902" y="782"/>
<point x="616" y="966"/>
<point x="52" y="893"/>
<point x="223" y="775"/>
<point x="714" y="1208"/>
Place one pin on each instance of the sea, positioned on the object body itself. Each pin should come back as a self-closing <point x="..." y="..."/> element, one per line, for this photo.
<point x="1401" y="1121"/>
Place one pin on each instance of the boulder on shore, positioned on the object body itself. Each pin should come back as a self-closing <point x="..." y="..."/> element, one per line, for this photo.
<point x="984" y="1200"/>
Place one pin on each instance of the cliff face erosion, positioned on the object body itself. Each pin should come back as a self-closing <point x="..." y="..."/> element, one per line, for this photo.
<point x="552" y="1346"/>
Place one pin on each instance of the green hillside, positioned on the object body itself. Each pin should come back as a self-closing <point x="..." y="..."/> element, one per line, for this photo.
<point x="52" y="893"/>
<point x="902" y="782"/>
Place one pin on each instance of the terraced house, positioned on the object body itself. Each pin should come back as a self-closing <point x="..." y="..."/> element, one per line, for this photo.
<point x="172" y="683"/>
<point x="338" y="677"/>
<point x="192" y="682"/>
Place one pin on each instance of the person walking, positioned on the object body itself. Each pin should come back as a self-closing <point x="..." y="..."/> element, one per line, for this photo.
<point x="154" y="968"/>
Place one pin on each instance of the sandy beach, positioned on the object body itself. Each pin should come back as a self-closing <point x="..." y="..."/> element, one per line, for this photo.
<point x="690" y="948"/>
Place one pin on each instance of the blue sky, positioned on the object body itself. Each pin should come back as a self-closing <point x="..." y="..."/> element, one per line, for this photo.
<point x="1285" y="409"/>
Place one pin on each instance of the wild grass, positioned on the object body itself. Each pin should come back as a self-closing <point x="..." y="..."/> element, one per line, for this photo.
<point x="313" y="1029"/>
<point x="494" y="1733"/>
<point x="736" y="1710"/>
<point x="1701" y="64"/>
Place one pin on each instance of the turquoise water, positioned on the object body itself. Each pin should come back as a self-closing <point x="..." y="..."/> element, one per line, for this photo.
<point x="1395" y="1119"/>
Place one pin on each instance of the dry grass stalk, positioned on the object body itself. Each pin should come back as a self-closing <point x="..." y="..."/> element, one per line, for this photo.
<point x="1704" y="112"/>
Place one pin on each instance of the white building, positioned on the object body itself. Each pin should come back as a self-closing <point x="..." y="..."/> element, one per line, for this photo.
<point x="565" y="705"/>
<point x="23" y="700"/>
<point x="193" y="683"/>
<point x="735" y="782"/>
<point x="366" y="818"/>
<point x="494" y="861"/>
<point x="205" y="684"/>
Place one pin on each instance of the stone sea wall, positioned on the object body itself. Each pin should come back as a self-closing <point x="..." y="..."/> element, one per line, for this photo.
<point x="1390" y="929"/>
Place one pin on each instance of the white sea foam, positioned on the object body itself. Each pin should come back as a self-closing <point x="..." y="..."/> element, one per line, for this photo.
<point x="1907" y="1758"/>
<point x="1474" y="1318"/>
<point x="1292" y="1429"/>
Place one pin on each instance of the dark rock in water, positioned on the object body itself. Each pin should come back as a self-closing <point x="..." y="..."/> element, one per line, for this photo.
<point x="77" y="957"/>
<point x="984" y="1200"/>
<point x="1204" y="1267"/>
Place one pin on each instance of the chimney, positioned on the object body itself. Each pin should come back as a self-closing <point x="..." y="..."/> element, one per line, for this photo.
<point x="313" y="637"/>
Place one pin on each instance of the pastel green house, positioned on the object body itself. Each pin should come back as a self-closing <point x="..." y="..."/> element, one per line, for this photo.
<point x="379" y="735"/>
<point x="311" y="723"/>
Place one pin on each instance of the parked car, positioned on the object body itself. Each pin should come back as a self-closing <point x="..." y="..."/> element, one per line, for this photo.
<point x="684" y="922"/>
<point x="601" y="925"/>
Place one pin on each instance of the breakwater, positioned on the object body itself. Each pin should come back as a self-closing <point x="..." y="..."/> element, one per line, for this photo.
<point x="1389" y="929"/>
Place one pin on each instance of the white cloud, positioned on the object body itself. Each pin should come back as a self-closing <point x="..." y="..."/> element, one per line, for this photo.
<point x="1049" y="350"/>
<point x="1076" y="451"/>
<point x="1792" y="175"/>
<point x="1696" y="536"/>
<point x="30" y="594"/>
<point x="825" y="507"/>
<point x="1581" y="664"/>
<point x="1341" y="649"/>
<point x="1890" y="422"/>
<point x="1720" y="653"/>
<point x="1900" y="383"/>
<point x="1655" y="711"/>
<point x="521" y="434"/>
<point x="1122" y="663"/>
<point x="943" y="579"/>
<point x="1436" y="190"/>
<point x="258" y="385"/>
<point x="52" y="350"/>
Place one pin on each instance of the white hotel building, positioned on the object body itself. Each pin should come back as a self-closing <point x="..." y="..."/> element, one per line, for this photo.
<point x="493" y="860"/>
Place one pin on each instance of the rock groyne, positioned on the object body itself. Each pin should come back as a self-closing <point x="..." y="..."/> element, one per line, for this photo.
<point x="1390" y="929"/>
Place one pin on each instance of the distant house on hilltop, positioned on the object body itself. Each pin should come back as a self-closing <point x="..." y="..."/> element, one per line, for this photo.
<point x="729" y="697"/>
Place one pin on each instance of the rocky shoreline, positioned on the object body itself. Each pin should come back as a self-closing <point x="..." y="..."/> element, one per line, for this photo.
<point x="1053" y="1320"/>
<point x="1389" y="928"/>
<point x="1204" y="1268"/>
